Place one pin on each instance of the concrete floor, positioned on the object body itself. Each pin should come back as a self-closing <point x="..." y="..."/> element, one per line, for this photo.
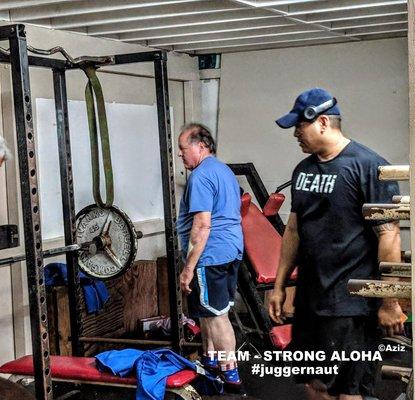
<point x="271" y="388"/>
<point x="265" y="388"/>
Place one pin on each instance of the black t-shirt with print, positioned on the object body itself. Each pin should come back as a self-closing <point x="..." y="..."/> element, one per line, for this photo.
<point x="336" y="243"/>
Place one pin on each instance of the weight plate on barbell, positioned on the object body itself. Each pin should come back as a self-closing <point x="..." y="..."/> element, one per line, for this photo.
<point x="111" y="241"/>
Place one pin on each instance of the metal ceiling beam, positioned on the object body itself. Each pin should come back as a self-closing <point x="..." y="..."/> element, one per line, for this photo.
<point x="242" y="29"/>
<point x="300" y="21"/>
<point x="253" y="42"/>
<point x="355" y="14"/>
<point x="255" y="45"/>
<point x="182" y="21"/>
<point x="153" y="29"/>
<point x="266" y="46"/>
<point x="295" y="12"/>
<point x="238" y="26"/>
<point x="320" y="6"/>
<point x="338" y="5"/>
<point x="384" y="35"/>
<point x="159" y="12"/>
<point x="289" y="37"/>
<point x="273" y="33"/>
<point x="7" y="5"/>
<point x="367" y="22"/>
<point x="86" y="7"/>
<point x="270" y="46"/>
<point x="261" y="4"/>
<point x="377" y="30"/>
<point x="226" y="17"/>
<point x="215" y="24"/>
<point x="232" y="36"/>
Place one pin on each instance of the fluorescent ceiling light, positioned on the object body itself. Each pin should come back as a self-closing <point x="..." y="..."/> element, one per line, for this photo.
<point x="262" y="3"/>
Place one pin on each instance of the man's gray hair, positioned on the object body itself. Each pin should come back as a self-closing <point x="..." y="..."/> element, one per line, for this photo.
<point x="5" y="152"/>
<point x="200" y="134"/>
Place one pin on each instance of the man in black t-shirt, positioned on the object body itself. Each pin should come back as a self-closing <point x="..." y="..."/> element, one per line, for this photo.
<point x="328" y="238"/>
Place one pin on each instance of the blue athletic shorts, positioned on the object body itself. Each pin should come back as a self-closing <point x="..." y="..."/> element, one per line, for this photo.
<point x="213" y="290"/>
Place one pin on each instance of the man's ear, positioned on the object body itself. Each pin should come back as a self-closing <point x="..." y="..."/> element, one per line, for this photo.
<point x="324" y="121"/>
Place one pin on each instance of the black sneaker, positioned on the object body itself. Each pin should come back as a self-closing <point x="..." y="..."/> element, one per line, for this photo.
<point x="214" y="370"/>
<point x="234" y="388"/>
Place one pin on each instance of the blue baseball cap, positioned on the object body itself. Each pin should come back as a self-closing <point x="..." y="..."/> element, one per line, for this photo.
<point x="310" y="98"/>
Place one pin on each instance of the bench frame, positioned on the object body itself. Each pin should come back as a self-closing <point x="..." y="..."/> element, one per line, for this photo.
<point x="247" y="286"/>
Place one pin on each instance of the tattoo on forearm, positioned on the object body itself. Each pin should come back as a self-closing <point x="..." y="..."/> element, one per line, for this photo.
<point x="389" y="226"/>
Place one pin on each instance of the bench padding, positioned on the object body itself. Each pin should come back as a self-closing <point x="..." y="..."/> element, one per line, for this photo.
<point x="273" y="205"/>
<point x="281" y="336"/>
<point x="262" y="242"/>
<point x="84" y="369"/>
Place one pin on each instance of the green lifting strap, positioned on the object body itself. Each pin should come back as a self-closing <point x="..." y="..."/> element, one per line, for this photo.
<point x="94" y="87"/>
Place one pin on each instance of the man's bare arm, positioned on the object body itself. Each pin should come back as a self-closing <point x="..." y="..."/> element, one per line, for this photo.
<point x="389" y="249"/>
<point x="389" y="236"/>
<point x="199" y="235"/>
<point x="289" y="251"/>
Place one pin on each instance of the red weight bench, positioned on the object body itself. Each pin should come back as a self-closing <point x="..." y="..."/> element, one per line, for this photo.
<point x="262" y="253"/>
<point x="273" y="204"/>
<point x="84" y="370"/>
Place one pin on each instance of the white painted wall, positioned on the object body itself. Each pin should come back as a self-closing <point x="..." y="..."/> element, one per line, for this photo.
<point x="133" y="86"/>
<point x="210" y="99"/>
<point x="369" y="79"/>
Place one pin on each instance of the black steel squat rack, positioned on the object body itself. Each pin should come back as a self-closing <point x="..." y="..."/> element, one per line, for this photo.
<point x="20" y="62"/>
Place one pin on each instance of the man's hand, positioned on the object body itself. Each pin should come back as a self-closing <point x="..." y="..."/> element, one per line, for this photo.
<point x="199" y="235"/>
<point x="391" y="318"/>
<point x="185" y="279"/>
<point x="276" y="303"/>
<point x="390" y="315"/>
<point x="289" y="250"/>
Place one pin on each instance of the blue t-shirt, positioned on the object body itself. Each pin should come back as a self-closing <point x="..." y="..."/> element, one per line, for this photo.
<point x="336" y="242"/>
<point x="213" y="187"/>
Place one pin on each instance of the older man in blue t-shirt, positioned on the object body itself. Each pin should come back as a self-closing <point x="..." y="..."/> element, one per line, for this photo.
<point x="209" y="227"/>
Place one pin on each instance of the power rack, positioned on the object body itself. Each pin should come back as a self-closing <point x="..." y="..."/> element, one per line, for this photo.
<point x="20" y="62"/>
